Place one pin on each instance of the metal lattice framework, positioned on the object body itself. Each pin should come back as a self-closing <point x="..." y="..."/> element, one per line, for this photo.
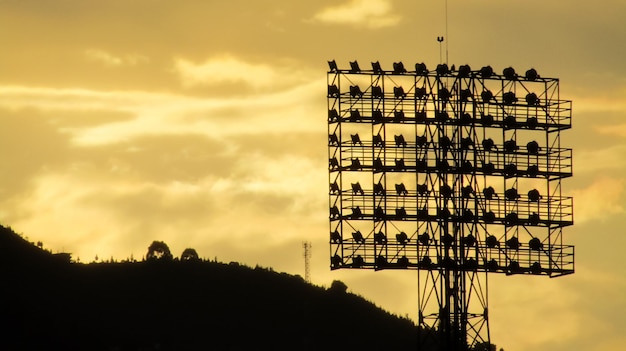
<point x="306" y="245"/>
<point x="455" y="173"/>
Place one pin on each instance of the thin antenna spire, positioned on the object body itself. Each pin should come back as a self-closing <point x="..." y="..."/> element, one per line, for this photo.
<point x="440" y="40"/>
<point x="447" y="38"/>
<point x="444" y="37"/>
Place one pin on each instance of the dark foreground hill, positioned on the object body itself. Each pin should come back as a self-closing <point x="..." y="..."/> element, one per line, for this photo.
<point x="48" y="303"/>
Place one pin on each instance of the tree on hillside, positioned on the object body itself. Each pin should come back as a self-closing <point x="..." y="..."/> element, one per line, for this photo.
<point x="189" y="255"/>
<point x="485" y="346"/>
<point x="158" y="250"/>
<point x="338" y="286"/>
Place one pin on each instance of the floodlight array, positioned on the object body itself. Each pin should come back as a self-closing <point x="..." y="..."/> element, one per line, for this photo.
<point x="447" y="169"/>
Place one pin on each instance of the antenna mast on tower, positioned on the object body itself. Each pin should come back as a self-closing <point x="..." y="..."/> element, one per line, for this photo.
<point x="443" y="38"/>
<point x="446" y="32"/>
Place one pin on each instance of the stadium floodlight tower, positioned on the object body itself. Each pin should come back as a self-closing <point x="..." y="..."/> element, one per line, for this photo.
<point x="453" y="172"/>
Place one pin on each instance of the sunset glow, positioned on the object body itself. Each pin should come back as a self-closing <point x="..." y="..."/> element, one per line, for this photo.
<point x="203" y="124"/>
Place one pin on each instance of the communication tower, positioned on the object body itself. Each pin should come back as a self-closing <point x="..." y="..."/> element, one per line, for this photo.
<point x="453" y="173"/>
<point x="307" y="260"/>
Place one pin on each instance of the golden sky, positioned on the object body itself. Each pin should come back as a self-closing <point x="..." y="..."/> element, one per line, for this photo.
<point x="203" y="124"/>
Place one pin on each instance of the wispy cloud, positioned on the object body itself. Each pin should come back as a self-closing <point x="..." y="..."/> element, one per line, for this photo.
<point x="160" y="164"/>
<point x="367" y="13"/>
<point x="229" y="69"/>
<point x="109" y="59"/>
<point x="532" y="312"/>
<point x="263" y="195"/>
<point x="221" y="70"/>
<point x="294" y="109"/>
<point x="601" y="199"/>
<point x="615" y="130"/>
<point x="605" y="159"/>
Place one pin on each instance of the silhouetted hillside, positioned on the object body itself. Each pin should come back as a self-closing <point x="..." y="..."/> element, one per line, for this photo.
<point x="49" y="303"/>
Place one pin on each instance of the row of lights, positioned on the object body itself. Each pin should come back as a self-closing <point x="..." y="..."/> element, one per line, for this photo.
<point x="443" y="214"/>
<point x="464" y="71"/>
<point x="532" y="147"/>
<point x="445" y="191"/>
<point x="425" y="239"/>
<point x="508" y="98"/>
<point x="447" y="262"/>
<point x="442" y="166"/>
<point x="509" y="121"/>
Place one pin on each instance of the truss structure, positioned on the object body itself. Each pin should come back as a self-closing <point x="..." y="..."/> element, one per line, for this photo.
<point x="454" y="173"/>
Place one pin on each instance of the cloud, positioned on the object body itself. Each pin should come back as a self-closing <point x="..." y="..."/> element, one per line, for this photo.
<point x="165" y="166"/>
<point x="124" y="167"/>
<point x="614" y="130"/>
<point x="595" y="309"/>
<point x="109" y="217"/>
<point x="111" y="207"/>
<point x="607" y="159"/>
<point x="603" y="198"/>
<point x="152" y="166"/>
<point x="601" y="103"/>
<point x="367" y="13"/>
<point x="519" y="308"/>
<point x="296" y="109"/>
<point x="111" y="60"/>
<point x="226" y="69"/>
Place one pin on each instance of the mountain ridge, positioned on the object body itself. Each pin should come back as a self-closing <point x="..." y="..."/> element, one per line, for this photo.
<point x="172" y="304"/>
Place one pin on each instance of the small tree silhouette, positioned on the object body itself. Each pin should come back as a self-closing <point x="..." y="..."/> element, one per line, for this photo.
<point x="337" y="286"/>
<point x="485" y="346"/>
<point x="158" y="250"/>
<point x="189" y="255"/>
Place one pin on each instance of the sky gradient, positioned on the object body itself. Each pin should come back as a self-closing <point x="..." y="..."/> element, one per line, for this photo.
<point x="203" y="124"/>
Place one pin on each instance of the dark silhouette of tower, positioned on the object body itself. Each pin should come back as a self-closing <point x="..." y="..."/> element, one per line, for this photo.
<point x="306" y="246"/>
<point x="455" y="173"/>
